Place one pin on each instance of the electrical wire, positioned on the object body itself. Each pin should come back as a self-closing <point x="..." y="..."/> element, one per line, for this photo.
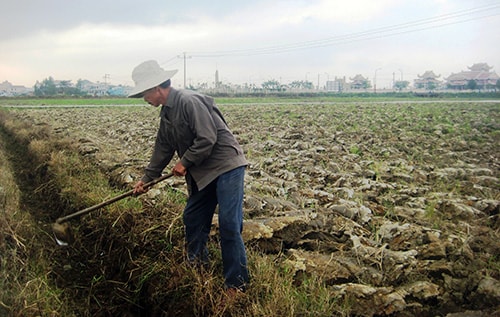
<point x="461" y="16"/>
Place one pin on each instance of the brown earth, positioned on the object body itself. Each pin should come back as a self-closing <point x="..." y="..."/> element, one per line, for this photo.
<point x="394" y="205"/>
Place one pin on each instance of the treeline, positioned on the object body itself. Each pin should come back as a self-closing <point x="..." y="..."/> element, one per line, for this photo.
<point x="366" y="94"/>
<point x="49" y="87"/>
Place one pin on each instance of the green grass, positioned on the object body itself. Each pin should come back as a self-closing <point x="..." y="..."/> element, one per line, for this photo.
<point x="68" y="101"/>
<point x="139" y="101"/>
<point x="25" y="263"/>
<point x="250" y="98"/>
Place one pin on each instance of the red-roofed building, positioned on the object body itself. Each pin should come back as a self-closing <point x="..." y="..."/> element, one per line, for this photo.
<point x="480" y="73"/>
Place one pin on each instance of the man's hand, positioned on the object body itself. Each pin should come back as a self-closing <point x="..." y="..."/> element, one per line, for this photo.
<point x="179" y="169"/>
<point x="139" y="188"/>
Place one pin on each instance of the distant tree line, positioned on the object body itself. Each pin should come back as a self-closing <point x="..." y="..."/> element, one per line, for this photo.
<point x="49" y="87"/>
<point x="275" y="85"/>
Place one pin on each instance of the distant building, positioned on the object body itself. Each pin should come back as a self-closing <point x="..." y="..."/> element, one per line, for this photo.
<point x="217" y="82"/>
<point x="102" y="89"/>
<point x="91" y="88"/>
<point x="9" y="90"/>
<point x="359" y="82"/>
<point x="480" y="73"/>
<point x="428" y="81"/>
<point x="338" y="85"/>
<point x="118" y="91"/>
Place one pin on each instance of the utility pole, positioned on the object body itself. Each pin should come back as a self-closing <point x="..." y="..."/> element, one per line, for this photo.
<point x="375" y="80"/>
<point x="184" y="56"/>
<point x="106" y="77"/>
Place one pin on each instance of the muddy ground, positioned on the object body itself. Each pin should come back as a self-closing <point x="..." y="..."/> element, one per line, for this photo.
<point x="394" y="205"/>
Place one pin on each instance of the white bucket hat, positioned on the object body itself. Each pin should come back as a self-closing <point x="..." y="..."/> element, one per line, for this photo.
<point x="147" y="75"/>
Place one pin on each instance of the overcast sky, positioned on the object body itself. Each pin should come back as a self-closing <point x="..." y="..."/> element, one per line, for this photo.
<point x="246" y="41"/>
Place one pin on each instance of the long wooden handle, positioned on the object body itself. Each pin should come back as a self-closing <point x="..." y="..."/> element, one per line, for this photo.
<point x="112" y="200"/>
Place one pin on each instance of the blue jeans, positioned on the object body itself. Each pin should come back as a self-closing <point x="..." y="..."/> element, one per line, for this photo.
<point x="227" y="191"/>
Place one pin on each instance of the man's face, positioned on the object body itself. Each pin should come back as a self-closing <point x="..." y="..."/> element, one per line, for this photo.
<point x="153" y="97"/>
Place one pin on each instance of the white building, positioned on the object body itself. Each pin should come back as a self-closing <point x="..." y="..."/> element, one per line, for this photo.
<point x="9" y="90"/>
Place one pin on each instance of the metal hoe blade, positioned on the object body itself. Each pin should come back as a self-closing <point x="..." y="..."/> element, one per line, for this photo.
<point x="60" y="242"/>
<point x="63" y="233"/>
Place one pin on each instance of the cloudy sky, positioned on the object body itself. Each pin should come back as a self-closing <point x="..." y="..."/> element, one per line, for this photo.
<point x="246" y="41"/>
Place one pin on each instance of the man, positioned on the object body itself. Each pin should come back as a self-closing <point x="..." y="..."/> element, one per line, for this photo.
<point x="210" y="159"/>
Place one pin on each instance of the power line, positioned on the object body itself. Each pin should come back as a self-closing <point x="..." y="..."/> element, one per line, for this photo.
<point x="461" y="16"/>
<point x="443" y="20"/>
<point x="171" y="61"/>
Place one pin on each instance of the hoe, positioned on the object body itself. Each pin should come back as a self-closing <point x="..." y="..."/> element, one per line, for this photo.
<point x="61" y="228"/>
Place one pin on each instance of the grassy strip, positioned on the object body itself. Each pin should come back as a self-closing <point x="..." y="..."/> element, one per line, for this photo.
<point x="260" y="98"/>
<point x="67" y="101"/>
<point x="219" y="100"/>
<point x="25" y="267"/>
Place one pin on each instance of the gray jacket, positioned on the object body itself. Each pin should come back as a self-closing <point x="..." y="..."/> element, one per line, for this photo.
<point x="193" y="126"/>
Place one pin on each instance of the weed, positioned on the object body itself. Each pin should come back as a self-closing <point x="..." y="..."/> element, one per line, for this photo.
<point x="354" y="149"/>
<point x="432" y="214"/>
